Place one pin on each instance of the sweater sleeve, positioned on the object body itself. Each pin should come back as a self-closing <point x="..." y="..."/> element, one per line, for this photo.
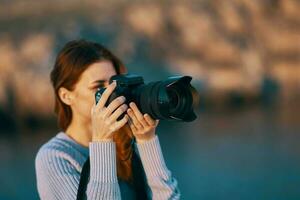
<point x="162" y="184"/>
<point x="58" y="177"/>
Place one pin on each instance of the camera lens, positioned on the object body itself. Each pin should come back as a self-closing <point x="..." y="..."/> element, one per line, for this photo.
<point x="174" y="98"/>
<point x="169" y="100"/>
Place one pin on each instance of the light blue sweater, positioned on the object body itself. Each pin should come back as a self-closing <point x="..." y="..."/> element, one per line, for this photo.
<point x="59" y="162"/>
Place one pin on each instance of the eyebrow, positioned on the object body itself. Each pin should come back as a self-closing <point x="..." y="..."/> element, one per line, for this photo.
<point x="98" y="82"/>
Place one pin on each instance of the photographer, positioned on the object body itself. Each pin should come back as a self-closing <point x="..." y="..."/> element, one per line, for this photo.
<point x="124" y="154"/>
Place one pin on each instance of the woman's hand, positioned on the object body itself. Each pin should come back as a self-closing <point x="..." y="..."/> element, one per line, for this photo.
<point x="142" y="126"/>
<point x="104" y="119"/>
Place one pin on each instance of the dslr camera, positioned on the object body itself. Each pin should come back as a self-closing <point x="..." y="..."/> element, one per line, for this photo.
<point x="170" y="99"/>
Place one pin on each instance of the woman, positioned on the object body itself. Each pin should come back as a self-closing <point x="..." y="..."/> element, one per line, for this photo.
<point x="125" y="155"/>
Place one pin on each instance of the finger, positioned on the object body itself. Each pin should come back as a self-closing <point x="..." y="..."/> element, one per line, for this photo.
<point x="115" y="104"/>
<point x="119" y="124"/>
<point x="156" y="122"/>
<point x="134" y="120"/>
<point x="131" y="125"/>
<point x="138" y="114"/>
<point x="118" y="112"/>
<point x="149" y="120"/>
<point x="106" y="95"/>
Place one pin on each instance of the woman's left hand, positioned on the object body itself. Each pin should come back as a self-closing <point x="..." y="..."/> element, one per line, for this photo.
<point x="142" y="126"/>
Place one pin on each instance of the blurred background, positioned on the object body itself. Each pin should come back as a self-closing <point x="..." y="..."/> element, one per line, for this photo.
<point x="243" y="55"/>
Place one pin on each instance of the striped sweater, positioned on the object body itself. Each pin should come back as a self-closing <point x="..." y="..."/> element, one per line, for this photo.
<point x="59" y="162"/>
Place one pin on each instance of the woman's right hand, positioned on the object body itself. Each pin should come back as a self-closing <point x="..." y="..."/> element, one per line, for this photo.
<point x="104" y="119"/>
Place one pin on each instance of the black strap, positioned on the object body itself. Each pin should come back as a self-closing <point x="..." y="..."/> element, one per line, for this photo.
<point x="84" y="179"/>
<point x="139" y="178"/>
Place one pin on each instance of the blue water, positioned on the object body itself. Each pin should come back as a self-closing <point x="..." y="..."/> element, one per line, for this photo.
<point x="246" y="154"/>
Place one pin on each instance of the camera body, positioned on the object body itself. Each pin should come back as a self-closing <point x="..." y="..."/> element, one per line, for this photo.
<point x="170" y="99"/>
<point x="125" y="87"/>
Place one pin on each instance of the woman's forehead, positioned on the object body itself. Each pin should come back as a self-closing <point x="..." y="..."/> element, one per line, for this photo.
<point x="99" y="71"/>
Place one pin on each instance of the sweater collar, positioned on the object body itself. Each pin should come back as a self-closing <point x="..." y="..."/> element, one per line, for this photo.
<point x="82" y="149"/>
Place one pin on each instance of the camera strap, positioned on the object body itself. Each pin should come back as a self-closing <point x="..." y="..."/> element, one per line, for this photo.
<point x="84" y="179"/>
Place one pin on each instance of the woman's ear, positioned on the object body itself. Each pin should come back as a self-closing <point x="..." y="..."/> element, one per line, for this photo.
<point x="65" y="95"/>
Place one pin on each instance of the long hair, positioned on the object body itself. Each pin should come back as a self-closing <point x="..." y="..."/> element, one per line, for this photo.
<point x="74" y="58"/>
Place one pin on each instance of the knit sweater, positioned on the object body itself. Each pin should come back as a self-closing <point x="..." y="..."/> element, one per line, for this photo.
<point x="59" y="163"/>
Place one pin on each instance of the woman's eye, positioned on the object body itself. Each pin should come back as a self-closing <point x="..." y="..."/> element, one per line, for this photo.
<point x="97" y="86"/>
